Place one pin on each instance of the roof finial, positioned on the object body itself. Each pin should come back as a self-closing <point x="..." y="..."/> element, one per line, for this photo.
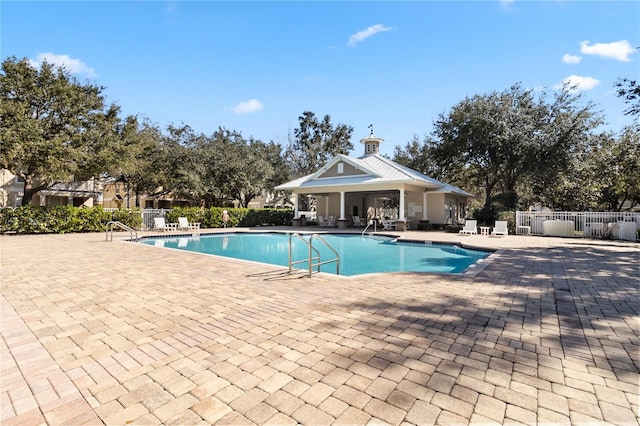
<point x="371" y="127"/>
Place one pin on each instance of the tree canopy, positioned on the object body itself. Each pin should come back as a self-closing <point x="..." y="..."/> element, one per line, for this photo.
<point x="213" y="170"/>
<point x="520" y="147"/>
<point x="418" y="156"/>
<point x="54" y="129"/>
<point x="629" y="91"/>
<point x="315" y="143"/>
<point x="615" y="163"/>
<point x="500" y="142"/>
<point x="140" y="159"/>
<point x="514" y="148"/>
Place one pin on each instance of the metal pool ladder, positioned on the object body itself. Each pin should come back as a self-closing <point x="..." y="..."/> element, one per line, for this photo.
<point x="312" y="250"/>
<point x="110" y="225"/>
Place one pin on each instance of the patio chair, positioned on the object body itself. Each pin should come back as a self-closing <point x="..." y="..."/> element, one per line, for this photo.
<point x="321" y="221"/>
<point x="160" y="224"/>
<point x="500" y="229"/>
<point x="357" y="221"/>
<point x="388" y="224"/>
<point x="183" y="223"/>
<point x="470" y="228"/>
<point x="331" y="221"/>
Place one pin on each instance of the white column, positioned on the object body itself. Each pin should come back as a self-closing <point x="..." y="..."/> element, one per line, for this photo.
<point x="401" y="213"/>
<point x="342" y="206"/>
<point x="295" y="206"/>
<point x="424" y="206"/>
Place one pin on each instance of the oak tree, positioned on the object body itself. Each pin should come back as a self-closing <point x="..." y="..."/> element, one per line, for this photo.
<point x="52" y="127"/>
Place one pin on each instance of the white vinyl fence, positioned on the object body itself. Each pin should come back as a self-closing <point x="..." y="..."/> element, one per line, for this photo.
<point x="147" y="216"/>
<point x="608" y="225"/>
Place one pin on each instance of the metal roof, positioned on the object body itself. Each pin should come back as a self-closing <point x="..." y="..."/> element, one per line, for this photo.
<point x="379" y="171"/>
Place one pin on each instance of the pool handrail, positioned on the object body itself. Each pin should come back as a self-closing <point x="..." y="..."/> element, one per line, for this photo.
<point x="373" y="222"/>
<point x="295" y="262"/>
<point x="337" y="259"/>
<point x="312" y="250"/>
<point x="111" y="224"/>
<point x="365" y="229"/>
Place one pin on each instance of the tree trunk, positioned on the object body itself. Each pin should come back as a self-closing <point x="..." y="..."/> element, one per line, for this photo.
<point x="30" y="190"/>
<point x="488" y="188"/>
<point x="137" y="192"/>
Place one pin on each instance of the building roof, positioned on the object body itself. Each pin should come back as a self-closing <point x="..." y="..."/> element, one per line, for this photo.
<point x="367" y="173"/>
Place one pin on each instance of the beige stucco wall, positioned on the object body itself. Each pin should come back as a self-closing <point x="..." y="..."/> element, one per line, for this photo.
<point x="109" y="196"/>
<point x="10" y="189"/>
<point x="347" y="170"/>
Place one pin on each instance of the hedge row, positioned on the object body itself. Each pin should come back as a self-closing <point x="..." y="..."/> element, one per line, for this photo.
<point x="65" y="219"/>
<point x="212" y="217"/>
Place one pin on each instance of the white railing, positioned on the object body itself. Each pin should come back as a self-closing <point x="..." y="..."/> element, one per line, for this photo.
<point x="609" y="225"/>
<point x="147" y="216"/>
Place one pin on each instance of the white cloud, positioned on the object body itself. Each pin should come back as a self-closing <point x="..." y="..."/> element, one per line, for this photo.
<point x="365" y="34"/>
<point x="74" y="66"/>
<point x="252" y="105"/>
<point x="578" y="83"/>
<point x="619" y="50"/>
<point x="571" y="59"/>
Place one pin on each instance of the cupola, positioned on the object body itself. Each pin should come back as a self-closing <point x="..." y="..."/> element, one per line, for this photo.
<point x="371" y="143"/>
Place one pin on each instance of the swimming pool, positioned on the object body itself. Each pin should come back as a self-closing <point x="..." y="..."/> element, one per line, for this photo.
<point x="359" y="254"/>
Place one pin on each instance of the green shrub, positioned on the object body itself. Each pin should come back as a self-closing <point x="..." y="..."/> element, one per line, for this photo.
<point x="130" y="217"/>
<point x="63" y="219"/>
<point x="212" y="217"/>
<point x="501" y="207"/>
<point x="454" y="229"/>
<point x="93" y="219"/>
<point x="193" y="214"/>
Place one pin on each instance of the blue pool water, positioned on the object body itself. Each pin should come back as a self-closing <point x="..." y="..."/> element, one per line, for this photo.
<point x="358" y="254"/>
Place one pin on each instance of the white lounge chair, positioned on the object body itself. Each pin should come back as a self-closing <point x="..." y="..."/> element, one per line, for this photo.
<point x="500" y="229"/>
<point x="331" y="221"/>
<point x="321" y="221"/>
<point x="160" y="224"/>
<point x="357" y="221"/>
<point x="184" y="224"/>
<point x="470" y="228"/>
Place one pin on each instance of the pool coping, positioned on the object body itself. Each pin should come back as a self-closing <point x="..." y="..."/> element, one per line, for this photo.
<point x="470" y="271"/>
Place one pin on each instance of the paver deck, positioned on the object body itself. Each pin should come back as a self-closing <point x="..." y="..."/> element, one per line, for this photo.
<point x="96" y="332"/>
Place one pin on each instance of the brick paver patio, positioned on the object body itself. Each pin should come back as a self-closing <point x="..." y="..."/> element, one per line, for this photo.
<point x="96" y="332"/>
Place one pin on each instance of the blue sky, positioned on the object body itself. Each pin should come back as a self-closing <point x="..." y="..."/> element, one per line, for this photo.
<point x="255" y="67"/>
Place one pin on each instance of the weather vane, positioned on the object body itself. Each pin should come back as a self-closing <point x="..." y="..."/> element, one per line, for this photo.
<point x="371" y="127"/>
